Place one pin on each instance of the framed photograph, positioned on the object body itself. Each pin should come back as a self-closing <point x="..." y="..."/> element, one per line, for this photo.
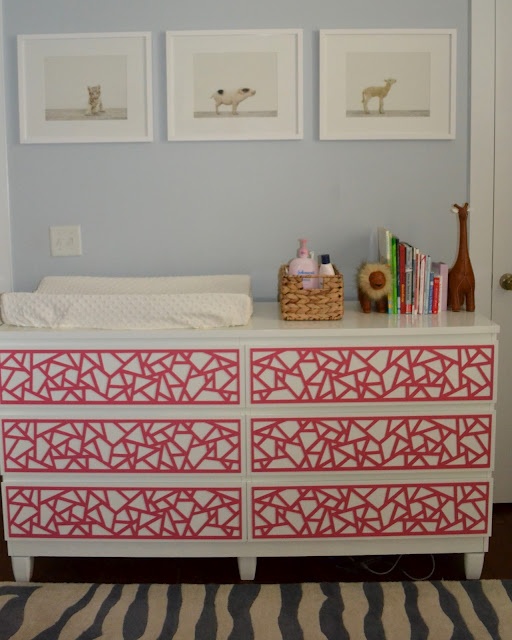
<point x="234" y="85"/>
<point x="387" y="84"/>
<point x="85" y="87"/>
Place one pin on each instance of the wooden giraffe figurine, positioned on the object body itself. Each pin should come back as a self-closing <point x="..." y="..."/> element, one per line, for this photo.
<point x="461" y="279"/>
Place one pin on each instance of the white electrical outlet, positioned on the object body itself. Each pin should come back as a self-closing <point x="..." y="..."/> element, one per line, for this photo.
<point x="65" y="241"/>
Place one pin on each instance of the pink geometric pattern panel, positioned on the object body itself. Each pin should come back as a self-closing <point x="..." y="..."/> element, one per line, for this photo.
<point x="370" y="510"/>
<point x="124" y="513"/>
<point x="172" y="377"/>
<point x="370" y="443"/>
<point x="372" y="374"/>
<point x="122" y="446"/>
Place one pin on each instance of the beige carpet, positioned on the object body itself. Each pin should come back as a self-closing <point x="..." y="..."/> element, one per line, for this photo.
<point x="311" y="611"/>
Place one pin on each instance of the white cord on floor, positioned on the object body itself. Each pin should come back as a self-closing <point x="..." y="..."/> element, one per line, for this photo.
<point x="364" y="564"/>
<point x="426" y="577"/>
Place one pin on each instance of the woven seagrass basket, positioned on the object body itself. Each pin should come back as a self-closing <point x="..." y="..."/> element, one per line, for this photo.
<point x="325" y="303"/>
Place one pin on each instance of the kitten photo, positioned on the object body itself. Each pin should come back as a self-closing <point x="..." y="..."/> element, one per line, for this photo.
<point x="95" y="103"/>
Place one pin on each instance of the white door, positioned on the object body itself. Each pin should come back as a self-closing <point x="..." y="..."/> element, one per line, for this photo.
<point x="502" y="250"/>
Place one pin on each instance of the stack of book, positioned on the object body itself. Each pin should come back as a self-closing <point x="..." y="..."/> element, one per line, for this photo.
<point x="420" y="285"/>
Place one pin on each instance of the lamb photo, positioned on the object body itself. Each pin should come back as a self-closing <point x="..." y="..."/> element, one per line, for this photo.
<point x="86" y="87"/>
<point x="393" y="85"/>
<point x="235" y="85"/>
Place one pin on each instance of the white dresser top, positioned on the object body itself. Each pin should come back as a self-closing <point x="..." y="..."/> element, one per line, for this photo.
<point x="266" y="321"/>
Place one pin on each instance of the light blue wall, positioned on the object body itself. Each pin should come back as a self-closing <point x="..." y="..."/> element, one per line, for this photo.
<point x="178" y="208"/>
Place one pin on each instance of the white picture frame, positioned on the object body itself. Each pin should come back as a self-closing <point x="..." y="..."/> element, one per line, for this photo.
<point x="54" y="73"/>
<point x="419" y="104"/>
<point x="259" y="70"/>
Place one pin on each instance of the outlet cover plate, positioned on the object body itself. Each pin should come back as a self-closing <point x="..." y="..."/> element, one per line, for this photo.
<point x="65" y="241"/>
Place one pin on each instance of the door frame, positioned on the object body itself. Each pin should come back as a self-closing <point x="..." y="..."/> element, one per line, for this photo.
<point x="481" y="160"/>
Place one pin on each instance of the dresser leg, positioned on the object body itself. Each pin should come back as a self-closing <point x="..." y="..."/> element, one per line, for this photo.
<point x="473" y="564"/>
<point x="22" y="567"/>
<point x="247" y="568"/>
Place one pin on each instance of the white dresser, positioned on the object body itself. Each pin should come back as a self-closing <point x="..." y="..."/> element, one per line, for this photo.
<point x="369" y="435"/>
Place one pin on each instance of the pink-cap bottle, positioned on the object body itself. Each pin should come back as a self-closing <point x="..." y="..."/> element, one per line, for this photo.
<point x="303" y="251"/>
<point x="303" y="265"/>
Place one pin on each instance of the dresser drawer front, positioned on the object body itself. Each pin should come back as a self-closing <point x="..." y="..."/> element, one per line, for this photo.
<point x="122" y="446"/>
<point x="193" y="513"/>
<point x="370" y="443"/>
<point x="168" y="377"/>
<point x="334" y="511"/>
<point x="371" y="374"/>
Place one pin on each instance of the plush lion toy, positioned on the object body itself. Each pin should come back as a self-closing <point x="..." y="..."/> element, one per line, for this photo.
<point x="374" y="283"/>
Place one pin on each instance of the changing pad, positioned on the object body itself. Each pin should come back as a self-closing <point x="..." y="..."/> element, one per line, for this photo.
<point x="142" y="285"/>
<point x="199" y="302"/>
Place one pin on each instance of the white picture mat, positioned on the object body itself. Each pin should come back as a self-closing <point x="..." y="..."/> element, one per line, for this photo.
<point x="273" y="61"/>
<point x="84" y="59"/>
<point x="351" y="60"/>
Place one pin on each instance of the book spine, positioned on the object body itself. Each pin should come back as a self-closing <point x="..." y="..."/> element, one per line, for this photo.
<point x="401" y="270"/>
<point x="421" y="284"/>
<point x="389" y="240"/>
<point x="416" y="280"/>
<point x="440" y="270"/>
<point x="408" y="278"/>
<point x="435" y="294"/>
<point x="443" y="298"/>
<point x="384" y="244"/>
<point x="430" y="290"/>
<point x="428" y="263"/>
<point x="394" y="272"/>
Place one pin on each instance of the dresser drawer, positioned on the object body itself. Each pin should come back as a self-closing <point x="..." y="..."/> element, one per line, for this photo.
<point x="368" y="443"/>
<point x="174" y="513"/>
<point x="182" y="446"/>
<point x="306" y="511"/>
<point x="371" y="374"/>
<point x="168" y="377"/>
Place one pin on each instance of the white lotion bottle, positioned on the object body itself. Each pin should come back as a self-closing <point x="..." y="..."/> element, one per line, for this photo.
<point x="325" y="268"/>
<point x="303" y="265"/>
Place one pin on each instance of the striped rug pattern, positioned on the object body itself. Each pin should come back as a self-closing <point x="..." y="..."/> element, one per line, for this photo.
<point x="437" y="610"/>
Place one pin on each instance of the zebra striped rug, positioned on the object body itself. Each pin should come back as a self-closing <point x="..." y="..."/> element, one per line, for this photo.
<point x="311" y="611"/>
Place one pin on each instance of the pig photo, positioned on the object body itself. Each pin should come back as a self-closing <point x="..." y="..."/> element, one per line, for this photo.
<point x="235" y="85"/>
<point x="233" y="98"/>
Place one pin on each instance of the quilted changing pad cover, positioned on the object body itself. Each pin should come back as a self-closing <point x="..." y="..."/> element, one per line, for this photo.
<point x="199" y="302"/>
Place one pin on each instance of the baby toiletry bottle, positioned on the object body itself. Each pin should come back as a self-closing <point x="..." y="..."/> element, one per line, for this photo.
<point x="325" y="268"/>
<point x="303" y="265"/>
